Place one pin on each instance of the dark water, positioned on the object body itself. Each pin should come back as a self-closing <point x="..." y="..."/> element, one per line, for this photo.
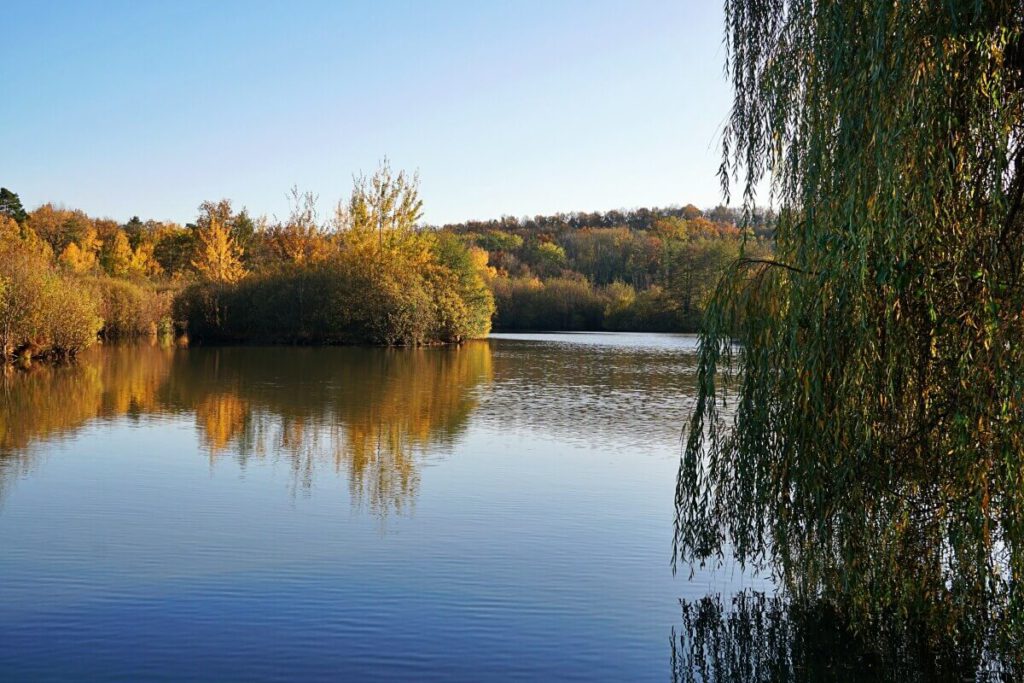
<point x="498" y="511"/>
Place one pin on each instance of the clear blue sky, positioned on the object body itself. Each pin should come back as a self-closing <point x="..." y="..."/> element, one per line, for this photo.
<point x="515" y="108"/>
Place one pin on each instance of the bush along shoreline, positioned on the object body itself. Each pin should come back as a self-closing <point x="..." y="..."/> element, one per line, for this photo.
<point x="423" y="290"/>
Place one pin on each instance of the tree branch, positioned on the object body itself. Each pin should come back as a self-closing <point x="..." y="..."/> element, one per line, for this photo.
<point x="778" y="264"/>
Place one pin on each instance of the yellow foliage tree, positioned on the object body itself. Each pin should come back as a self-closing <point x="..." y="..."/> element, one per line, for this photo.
<point x="9" y="229"/>
<point x="76" y="259"/>
<point x="117" y="257"/>
<point x="218" y="257"/>
<point x="479" y="258"/>
<point x="144" y="260"/>
<point x="81" y="255"/>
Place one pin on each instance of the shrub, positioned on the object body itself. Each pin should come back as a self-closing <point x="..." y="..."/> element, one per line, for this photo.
<point x="71" y="317"/>
<point x="561" y="303"/>
<point x="41" y="311"/>
<point x="129" y="309"/>
<point x="356" y="297"/>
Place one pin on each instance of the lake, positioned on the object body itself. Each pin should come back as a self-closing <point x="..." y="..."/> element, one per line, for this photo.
<point x="501" y="510"/>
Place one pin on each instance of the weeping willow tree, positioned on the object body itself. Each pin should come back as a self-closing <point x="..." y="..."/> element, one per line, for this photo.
<point x="860" y="418"/>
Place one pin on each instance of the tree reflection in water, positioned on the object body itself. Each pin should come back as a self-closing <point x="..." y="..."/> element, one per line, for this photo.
<point x="370" y="413"/>
<point x="901" y="589"/>
<point x="898" y="592"/>
<point x="759" y="638"/>
<point x="44" y="402"/>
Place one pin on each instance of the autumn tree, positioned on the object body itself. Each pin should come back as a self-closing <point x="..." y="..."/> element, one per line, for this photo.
<point x="690" y="212"/>
<point x="301" y="239"/>
<point x="384" y="282"/>
<point x="82" y="254"/>
<point x="42" y="312"/>
<point x="59" y="227"/>
<point x="144" y="262"/>
<point x="22" y="289"/>
<point x="218" y="257"/>
<point x="117" y="255"/>
<point x="241" y="227"/>
<point x="9" y="229"/>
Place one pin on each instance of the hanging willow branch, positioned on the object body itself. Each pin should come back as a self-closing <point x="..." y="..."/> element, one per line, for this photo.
<point x="875" y="440"/>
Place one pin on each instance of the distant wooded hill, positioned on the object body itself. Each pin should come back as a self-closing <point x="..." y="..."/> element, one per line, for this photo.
<point x="648" y="269"/>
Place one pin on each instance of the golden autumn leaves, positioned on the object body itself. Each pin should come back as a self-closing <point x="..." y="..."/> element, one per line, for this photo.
<point x="379" y="411"/>
<point x="218" y="257"/>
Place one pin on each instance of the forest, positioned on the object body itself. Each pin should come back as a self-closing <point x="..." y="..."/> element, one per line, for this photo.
<point x="371" y="272"/>
<point x="649" y="270"/>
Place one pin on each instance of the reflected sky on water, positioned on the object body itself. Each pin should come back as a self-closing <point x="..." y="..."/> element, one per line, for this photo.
<point x="500" y="510"/>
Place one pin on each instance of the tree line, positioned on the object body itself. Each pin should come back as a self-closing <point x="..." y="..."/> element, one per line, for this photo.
<point x="642" y="270"/>
<point x="370" y="272"/>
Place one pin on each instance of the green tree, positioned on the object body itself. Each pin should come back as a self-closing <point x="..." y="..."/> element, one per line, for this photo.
<point x="174" y="248"/>
<point x="134" y="229"/>
<point x="877" y="440"/>
<point x="465" y="269"/>
<point x="547" y="258"/>
<point x="243" y="228"/>
<point x="10" y="206"/>
<point x="499" y="240"/>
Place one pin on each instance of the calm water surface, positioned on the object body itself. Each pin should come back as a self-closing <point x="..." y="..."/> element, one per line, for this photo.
<point x="499" y="511"/>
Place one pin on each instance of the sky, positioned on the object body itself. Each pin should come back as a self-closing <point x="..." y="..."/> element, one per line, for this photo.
<point x="503" y="107"/>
